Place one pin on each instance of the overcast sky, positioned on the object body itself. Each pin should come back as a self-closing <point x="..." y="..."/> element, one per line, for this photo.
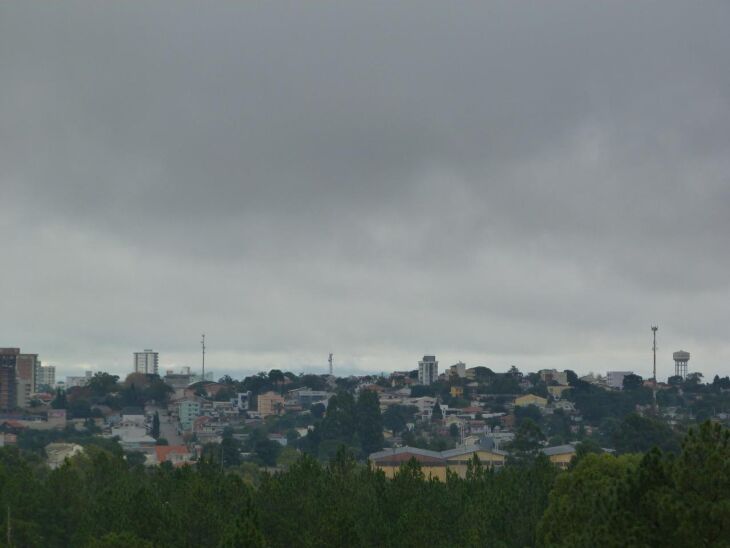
<point x="528" y="183"/>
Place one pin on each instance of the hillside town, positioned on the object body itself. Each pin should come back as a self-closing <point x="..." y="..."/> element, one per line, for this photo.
<point x="440" y="418"/>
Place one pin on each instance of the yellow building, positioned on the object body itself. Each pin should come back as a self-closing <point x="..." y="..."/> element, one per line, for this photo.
<point x="434" y="464"/>
<point x="270" y="403"/>
<point x="457" y="391"/>
<point x="560" y="455"/>
<point x="531" y="399"/>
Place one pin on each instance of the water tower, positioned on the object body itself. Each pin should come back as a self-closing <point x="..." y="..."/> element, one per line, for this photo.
<point x="680" y="363"/>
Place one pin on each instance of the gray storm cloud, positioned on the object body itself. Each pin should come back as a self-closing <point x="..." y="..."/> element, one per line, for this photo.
<point x="494" y="182"/>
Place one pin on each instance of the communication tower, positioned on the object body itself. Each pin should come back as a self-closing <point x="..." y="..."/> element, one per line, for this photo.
<point x="331" y="365"/>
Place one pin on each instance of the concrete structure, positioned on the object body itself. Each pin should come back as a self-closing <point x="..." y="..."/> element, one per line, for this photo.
<point x="269" y="403"/>
<point x="681" y="358"/>
<point x="305" y="396"/>
<point x="45" y="377"/>
<point x="531" y="399"/>
<point x="8" y="383"/>
<point x="79" y="380"/>
<point x="25" y="369"/>
<point x="428" y="370"/>
<point x="458" y="370"/>
<point x="146" y="362"/>
<point x="615" y="379"/>
<point x="188" y="411"/>
<point x="553" y="375"/>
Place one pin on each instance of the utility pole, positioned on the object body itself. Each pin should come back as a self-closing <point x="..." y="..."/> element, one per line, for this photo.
<point x="654" y="329"/>
<point x="202" y="343"/>
<point x="10" y="543"/>
<point x="331" y="365"/>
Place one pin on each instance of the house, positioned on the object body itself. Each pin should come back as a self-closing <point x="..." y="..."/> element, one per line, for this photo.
<point x="531" y="399"/>
<point x="177" y="455"/>
<point x="560" y="455"/>
<point x="269" y="403"/>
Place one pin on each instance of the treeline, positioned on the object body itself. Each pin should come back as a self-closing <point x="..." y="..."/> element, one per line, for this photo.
<point x="100" y="500"/>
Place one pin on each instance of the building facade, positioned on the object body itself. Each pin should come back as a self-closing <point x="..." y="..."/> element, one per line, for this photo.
<point x="428" y="370"/>
<point x="8" y="382"/>
<point x="615" y="379"/>
<point x="45" y="377"/>
<point x="146" y="362"/>
<point x="269" y="403"/>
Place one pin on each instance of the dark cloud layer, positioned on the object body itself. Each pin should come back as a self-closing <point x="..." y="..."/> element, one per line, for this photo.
<point x="529" y="183"/>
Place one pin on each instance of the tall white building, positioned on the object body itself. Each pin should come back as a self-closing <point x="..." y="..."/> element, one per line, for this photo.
<point x="428" y="370"/>
<point x="146" y="362"/>
<point x="45" y="376"/>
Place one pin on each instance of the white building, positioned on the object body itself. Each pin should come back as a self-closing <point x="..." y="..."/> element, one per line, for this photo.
<point x="428" y="370"/>
<point x="615" y="379"/>
<point x="45" y="376"/>
<point x="458" y="369"/>
<point x="146" y="362"/>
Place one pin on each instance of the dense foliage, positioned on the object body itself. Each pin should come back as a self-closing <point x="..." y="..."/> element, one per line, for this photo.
<point x="101" y="500"/>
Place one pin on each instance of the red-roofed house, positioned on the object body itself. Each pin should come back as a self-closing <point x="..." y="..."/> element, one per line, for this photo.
<point x="177" y="455"/>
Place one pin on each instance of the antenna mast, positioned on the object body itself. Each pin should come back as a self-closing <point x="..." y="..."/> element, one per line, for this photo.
<point x="202" y="343"/>
<point x="654" y="329"/>
<point x="330" y="361"/>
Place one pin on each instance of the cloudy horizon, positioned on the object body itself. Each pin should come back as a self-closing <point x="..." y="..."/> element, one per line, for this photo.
<point x="498" y="183"/>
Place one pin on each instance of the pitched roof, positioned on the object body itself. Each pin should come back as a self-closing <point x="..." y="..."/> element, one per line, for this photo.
<point x="163" y="451"/>
<point x="558" y="450"/>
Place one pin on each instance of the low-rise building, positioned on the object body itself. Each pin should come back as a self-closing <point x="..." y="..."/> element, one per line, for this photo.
<point x="434" y="464"/>
<point x="531" y="399"/>
<point x="270" y="403"/>
<point x="560" y="455"/>
<point x="177" y="455"/>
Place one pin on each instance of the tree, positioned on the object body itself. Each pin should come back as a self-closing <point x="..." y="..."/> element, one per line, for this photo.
<point x="632" y="382"/>
<point x="369" y="422"/>
<point x="155" y="432"/>
<point x="527" y="442"/>
<point x="59" y="402"/>
<point x="636" y="433"/>
<point x="396" y="417"/>
<point x="103" y="384"/>
<point x="437" y="414"/>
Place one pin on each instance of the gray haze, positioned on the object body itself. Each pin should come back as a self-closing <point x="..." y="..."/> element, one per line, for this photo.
<point x="529" y="183"/>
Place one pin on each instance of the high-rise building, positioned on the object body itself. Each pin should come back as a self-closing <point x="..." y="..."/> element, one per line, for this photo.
<point x="45" y="377"/>
<point x="146" y="362"/>
<point x="26" y="366"/>
<point x="458" y="370"/>
<point x="8" y="382"/>
<point x="428" y="370"/>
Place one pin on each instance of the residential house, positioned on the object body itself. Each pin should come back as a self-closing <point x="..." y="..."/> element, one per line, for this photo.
<point x="560" y="455"/>
<point x="269" y="403"/>
<point x="531" y="399"/>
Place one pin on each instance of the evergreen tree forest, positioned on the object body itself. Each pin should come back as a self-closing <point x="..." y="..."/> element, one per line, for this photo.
<point x="99" y="499"/>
